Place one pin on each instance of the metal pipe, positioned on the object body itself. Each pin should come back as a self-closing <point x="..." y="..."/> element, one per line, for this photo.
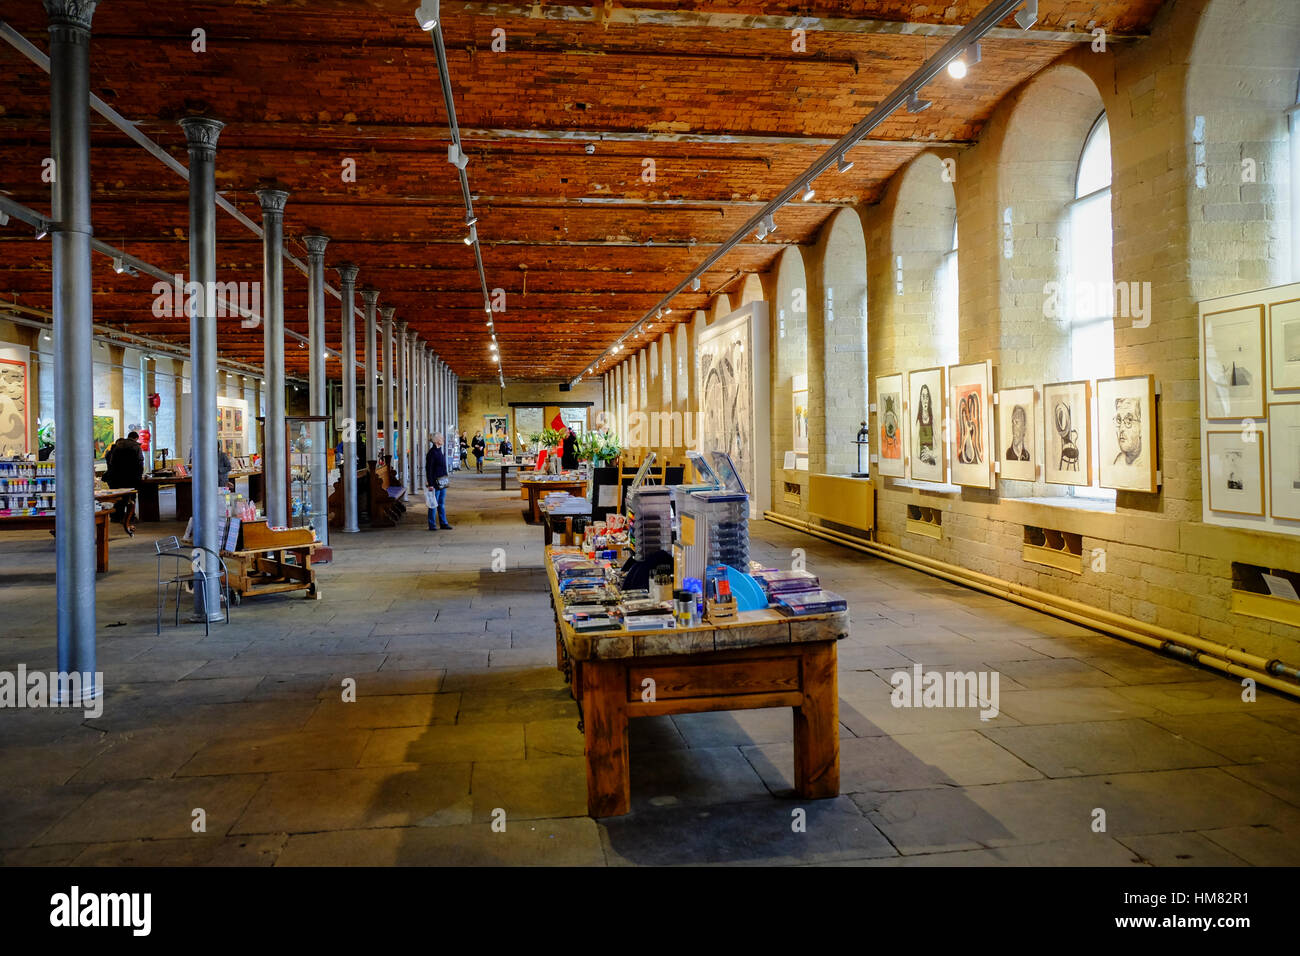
<point x="74" y="524"/>
<point x="389" y="382"/>
<point x="348" y="276"/>
<point x="201" y="139"/>
<point x="317" y="384"/>
<point x="370" y="297"/>
<point x="275" y="462"/>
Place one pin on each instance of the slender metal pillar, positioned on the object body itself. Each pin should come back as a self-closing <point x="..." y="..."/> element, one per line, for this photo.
<point x="390" y="380"/>
<point x="417" y="415"/>
<point x="209" y="499"/>
<point x="370" y="298"/>
<point x="317" y="384"/>
<point x="423" y="445"/>
<point x="402" y="364"/>
<point x="348" y="467"/>
<point x="74" y="523"/>
<point x="275" y="461"/>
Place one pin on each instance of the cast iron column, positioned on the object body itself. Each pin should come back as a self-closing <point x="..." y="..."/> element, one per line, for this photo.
<point x="370" y="297"/>
<point x="403" y="365"/>
<point x="275" y="462"/>
<point x="209" y="500"/>
<point x="74" y="524"/>
<point x="348" y="276"/>
<point x="390" y="380"/>
<point x="417" y="416"/>
<point x="317" y="384"/>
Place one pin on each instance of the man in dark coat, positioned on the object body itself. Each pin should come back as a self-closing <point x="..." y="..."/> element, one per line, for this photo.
<point x="435" y="470"/>
<point x="569" y="453"/>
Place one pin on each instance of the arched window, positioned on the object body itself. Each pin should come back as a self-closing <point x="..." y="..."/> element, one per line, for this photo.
<point x="949" y="325"/>
<point x="1091" y="293"/>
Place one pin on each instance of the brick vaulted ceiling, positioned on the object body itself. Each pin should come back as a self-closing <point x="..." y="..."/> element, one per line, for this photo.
<point x="581" y="243"/>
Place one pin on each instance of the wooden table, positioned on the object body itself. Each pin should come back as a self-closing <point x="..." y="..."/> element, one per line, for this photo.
<point x="40" y="522"/>
<point x="506" y="466"/>
<point x="256" y="571"/>
<point x="761" y="659"/>
<point x="127" y="495"/>
<point x="535" y="488"/>
<point x="567" y="508"/>
<point x="148" y="499"/>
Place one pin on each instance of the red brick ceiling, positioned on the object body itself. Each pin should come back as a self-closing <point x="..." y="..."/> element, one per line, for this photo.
<point x="581" y="244"/>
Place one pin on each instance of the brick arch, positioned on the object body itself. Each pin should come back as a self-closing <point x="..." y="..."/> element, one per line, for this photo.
<point x="720" y="307"/>
<point x="751" y="290"/>
<point x="786" y="290"/>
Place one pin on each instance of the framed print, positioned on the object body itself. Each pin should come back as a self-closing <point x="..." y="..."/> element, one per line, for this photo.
<point x="889" y="425"/>
<point x="1067" y="433"/>
<point x="1236" y="475"/>
<point x="1126" y="433"/>
<point x="799" y="423"/>
<point x="14" y="406"/>
<point x="1232" y="357"/>
<point x="1284" y="344"/>
<point x="926" y="407"/>
<point x="972" y="425"/>
<point x="1284" y="461"/>
<point x="1017" y="437"/>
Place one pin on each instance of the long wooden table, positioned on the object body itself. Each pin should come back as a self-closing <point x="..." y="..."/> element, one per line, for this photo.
<point x="761" y="659"/>
<point x="46" y="522"/>
<point x="535" y="488"/>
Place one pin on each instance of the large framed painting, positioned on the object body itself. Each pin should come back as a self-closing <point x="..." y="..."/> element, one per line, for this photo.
<point x="1284" y="461"/>
<point x="1232" y="354"/>
<point x="926" y="408"/>
<point x="107" y="428"/>
<point x="1236" y="475"/>
<point x="1067" y="433"/>
<point x="15" y="406"/>
<point x="1284" y="344"/>
<point x="1126" y="433"/>
<point x="971" y="388"/>
<point x="495" y="428"/>
<point x="799" y="424"/>
<point x="890" y="431"/>
<point x="1017" y="437"/>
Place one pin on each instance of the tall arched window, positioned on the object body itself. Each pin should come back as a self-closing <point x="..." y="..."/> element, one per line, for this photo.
<point x="1091" y="295"/>
<point x="949" y="324"/>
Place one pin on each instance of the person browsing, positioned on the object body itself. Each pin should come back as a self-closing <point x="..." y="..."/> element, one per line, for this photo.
<point x="435" y="467"/>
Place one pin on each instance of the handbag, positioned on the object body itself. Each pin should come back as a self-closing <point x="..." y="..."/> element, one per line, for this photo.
<point x="442" y="482"/>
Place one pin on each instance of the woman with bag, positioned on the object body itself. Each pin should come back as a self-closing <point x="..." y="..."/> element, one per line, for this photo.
<point x="435" y="495"/>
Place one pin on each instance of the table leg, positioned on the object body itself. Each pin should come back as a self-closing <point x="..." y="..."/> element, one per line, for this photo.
<point x="149" y="503"/>
<point x="503" y="477"/>
<point x="817" y="725"/>
<point x="101" y="544"/>
<point x="534" y="496"/>
<point x="604" y="718"/>
<point x="184" y="500"/>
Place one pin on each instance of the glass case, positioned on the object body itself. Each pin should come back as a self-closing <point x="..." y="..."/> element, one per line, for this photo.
<point x="306" y="447"/>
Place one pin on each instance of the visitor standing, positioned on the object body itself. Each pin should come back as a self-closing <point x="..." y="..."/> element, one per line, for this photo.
<point x="125" y="460"/>
<point x="464" y="450"/>
<point x="569" y="452"/>
<point x="480" y="449"/>
<point x="435" y="467"/>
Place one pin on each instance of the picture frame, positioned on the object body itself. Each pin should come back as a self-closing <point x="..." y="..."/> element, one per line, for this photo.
<point x="1126" y="433"/>
<point x="1284" y="345"/>
<point x="971" y="432"/>
<point x="1235" y="472"/>
<point x="1284" y="461"/>
<point x="891" y="426"/>
<point x="1232" y="363"/>
<point x="1018" y="444"/>
<point x="1067" y="447"/>
<point x="927" y="408"/>
<point x="799" y="419"/>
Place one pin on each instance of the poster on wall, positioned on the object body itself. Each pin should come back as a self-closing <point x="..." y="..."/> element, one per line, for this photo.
<point x="925" y="410"/>
<point x="799" y="419"/>
<point x="107" y="428"/>
<point x="1284" y="461"/>
<point x="890" y="439"/>
<point x="495" y="428"/>
<point x="1233" y="356"/>
<point x="14" y="404"/>
<point x="1236" y="478"/>
<point x="1126" y="433"/>
<point x="1284" y="344"/>
<point x="1067" y="433"/>
<point x="972" y="449"/>
<point x="1017" y="438"/>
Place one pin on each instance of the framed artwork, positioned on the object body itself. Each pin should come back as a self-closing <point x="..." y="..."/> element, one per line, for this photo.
<point x="1232" y="354"/>
<point x="1284" y="344"/>
<point x="926" y="409"/>
<point x="107" y="429"/>
<point x="14" y="406"/>
<point x="1067" y="433"/>
<point x="890" y="421"/>
<point x="1236" y="475"/>
<point x="799" y="396"/>
<point x="1017" y="437"/>
<point x="1126" y="433"/>
<point x="972" y="426"/>
<point x="1284" y="461"/>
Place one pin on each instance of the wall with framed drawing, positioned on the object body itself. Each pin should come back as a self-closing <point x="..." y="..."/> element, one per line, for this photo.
<point x="1018" y="442"/>
<point x="927" y="406"/>
<point x="971" y="386"/>
<point x="891" y="426"/>
<point x="1127" y="434"/>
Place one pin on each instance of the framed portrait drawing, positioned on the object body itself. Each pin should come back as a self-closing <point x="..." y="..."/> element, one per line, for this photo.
<point x="925" y="416"/>
<point x="890" y="422"/>
<point x="1284" y="461"/>
<point x="1017" y="437"/>
<point x="799" y="425"/>
<point x="1232" y="357"/>
<point x="1284" y="344"/>
<point x="1236" y="473"/>
<point x="970" y="406"/>
<point x="1126" y="433"/>
<point x="1067" y="433"/>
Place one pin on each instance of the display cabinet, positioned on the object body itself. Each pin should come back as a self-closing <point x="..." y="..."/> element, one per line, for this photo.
<point x="307" y="469"/>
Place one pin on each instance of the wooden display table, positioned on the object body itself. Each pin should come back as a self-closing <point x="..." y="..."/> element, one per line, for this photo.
<point x="148" y="498"/>
<point x="128" y="495"/>
<point x="507" y="465"/>
<point x="535" y="488"/>
<point x="760" y="659"/>
<point x="46" y="522"/>
<point x="558" y="514"/>
<point x="271" y="562"/>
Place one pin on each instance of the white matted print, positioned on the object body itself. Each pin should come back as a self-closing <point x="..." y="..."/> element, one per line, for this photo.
<point x="1236" y="478"/>
<point x="890" y="422"/>
<point x="1232" y="351"/>
<point x="972" y="426"/>
<point x="1067" y="433"/>
<point x="799" y="421"/>
<point x="926" y="405"/>
<point x="1126" y="433"/>
<point x="1284" y="344"/>
<point x="1284" y="461"/>
<point x="1017" y="437"/>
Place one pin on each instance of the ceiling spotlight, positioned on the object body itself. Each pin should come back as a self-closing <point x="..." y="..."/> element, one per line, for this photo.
<point x="301" y="344"/>
<point x="808" y="193"/>
<point x="118" y="267"/>
<point x="957" y="69"/>
<point x="487" y="307"/>
<point x="659" y="314"/>
<point x="472" y="237"/>
<point x="769" y="225"/>
<point x="916" y="104"/>
<point x="695" y="283"/>
<point x="1028" y="15"/>
<point x="42" y="231"/>
<point x="427" y="15"/>
<point x="589" y="148"/>
<point x="456" y="156"/>
<point x="761" y="233"/>
<point x="470" y="220"/>
<point x="4" y="218"/>
<point x="843" y="165"/>
<point x="668" y="311"/>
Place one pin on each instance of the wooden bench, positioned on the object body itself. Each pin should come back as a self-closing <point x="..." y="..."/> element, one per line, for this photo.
<point x="336" y="501"/>
<point x="385" y="510"/>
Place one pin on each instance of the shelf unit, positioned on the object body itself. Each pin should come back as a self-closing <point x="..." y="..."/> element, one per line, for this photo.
<point x="27" y="488"/>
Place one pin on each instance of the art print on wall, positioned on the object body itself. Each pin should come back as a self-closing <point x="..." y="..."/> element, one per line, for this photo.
<point x="972" y="431"/>
<point x="1017" y="437"/>
<point x="106" y="430"/>
<point x="1067" y="433"/>
<point x="1126" y="433"/>
<point x="925" y="416"/>
<point x="1284" y="344"/>
<point x="799" y="423"/>
<point x="1232" y="351"/>
<point x="14" y="407"/>
<point x="1236" y="473"/>
<point x="890" y="422"/>
<point x="1284" y="461"/>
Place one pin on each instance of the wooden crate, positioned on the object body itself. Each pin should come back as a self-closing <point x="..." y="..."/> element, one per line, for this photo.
<point x="257" y="535"/>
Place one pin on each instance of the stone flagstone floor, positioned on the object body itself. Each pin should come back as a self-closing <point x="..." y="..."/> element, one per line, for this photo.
<point x="460" y="714"/>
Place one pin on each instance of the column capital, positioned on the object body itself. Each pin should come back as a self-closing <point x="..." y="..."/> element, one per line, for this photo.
<point x="370" y="297"/>
<point x="316" y="244"/>
<point x="201" y="134"/>
<point x="348" y="273"/>
<point x="71" y="13"/>
<point x="401" y="329"/>
<point x="387" y="312"/>
<point x="273" y="201"/>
